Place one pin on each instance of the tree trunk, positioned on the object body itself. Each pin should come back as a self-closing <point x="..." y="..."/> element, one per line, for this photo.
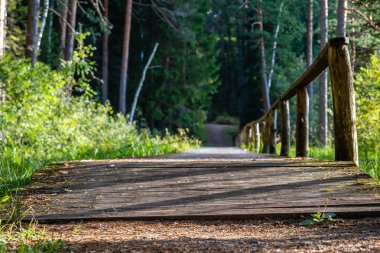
<point x="3" y="11"/>
<point x="50" y="26"/>
<point x="274" y="48"/>
<point x="309" y="49"/>
<point x="264" y="82"/>
<point x="105" y="56"/>
<point x="341" y="18"/>
<point x="32" y="31"/>
<point x="137" y="94"/>
<point x="70" y="30"/>
<point x="63" y="26"/>
<point x="43" y="23"/>
<point x="124" y="64"/>
<point x="323" y="77"/>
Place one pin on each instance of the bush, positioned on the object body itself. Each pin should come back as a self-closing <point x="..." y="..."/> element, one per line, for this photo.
<point x="367" y="85"/>
<point x="41" y="122"/>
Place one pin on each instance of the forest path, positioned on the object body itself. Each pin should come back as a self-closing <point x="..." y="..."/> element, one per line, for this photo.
<point x="218" y="135"/>
<point x="204" y="183"/>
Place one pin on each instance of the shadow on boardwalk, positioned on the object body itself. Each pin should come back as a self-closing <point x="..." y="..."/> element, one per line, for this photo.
<point x="205" y="183"/>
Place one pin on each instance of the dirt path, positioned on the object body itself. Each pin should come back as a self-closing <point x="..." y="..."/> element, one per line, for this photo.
<point x="220" y="135"/>
<point x="362" y="235"/>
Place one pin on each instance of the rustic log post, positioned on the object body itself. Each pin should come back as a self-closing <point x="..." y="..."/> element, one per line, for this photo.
<point x="346" y="146"/>
<point x="302" y="127"/>
<point x="248" y="137"/>
<point x="265" y="138"/>
<point x="272" y="131"/>
<point x="242" y="136"/>
<point x="285" y="128"/>
<point x="257" y="137"/>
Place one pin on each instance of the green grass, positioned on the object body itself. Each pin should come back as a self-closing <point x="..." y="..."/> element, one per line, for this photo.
<point x="16" y="238"/>
<point x="369" y="162"/>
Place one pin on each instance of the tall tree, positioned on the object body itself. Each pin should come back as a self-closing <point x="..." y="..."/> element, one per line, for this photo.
<point x="32" y="31"/>
<point x="3" y="10"/>
<point x="63" y="26"/>
<point x="70" y="30"/>
<point x="50" y="34"/>
<point x="309" y="48"/>
<point x="274" y="47"/>
<point x="264" y="82"/>
<point x="43" y="23"/>
<point x="341" y="18"/>
<point x="323" y="77"/>
<point x="125" y="58"/>
<point x="105" y="55"/>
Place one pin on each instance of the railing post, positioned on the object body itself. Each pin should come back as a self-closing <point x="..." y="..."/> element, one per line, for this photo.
<point x="285" y="128"/>
<point x="265" y="136"/>
<point x="257" y="137"/>
<point x="302" y="127"/>
<point x="272" y="131"/>
<point x="247" y="136"/>
<point x="346" y="145"/>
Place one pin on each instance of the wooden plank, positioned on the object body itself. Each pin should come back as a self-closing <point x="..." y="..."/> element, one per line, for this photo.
<point x="153" y="188"/>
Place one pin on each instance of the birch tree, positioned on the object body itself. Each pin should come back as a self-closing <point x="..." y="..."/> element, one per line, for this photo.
<point x="43" y="23"/>
<point x="263" y="65"/>
<point x="341" y="18"/>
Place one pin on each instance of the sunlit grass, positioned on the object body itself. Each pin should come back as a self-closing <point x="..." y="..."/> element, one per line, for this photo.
<point x="369" y="162"/>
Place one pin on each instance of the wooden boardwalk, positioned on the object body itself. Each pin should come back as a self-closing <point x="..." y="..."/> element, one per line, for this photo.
<point x="207" y="183"/>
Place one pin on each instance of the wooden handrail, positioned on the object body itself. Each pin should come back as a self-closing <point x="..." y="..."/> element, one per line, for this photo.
<point x="335" y="57"/>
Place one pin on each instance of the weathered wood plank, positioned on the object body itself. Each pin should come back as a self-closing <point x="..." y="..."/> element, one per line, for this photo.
<point x="204" y="188"/>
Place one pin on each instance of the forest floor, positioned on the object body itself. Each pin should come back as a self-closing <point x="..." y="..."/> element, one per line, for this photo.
<point x="264" y="235"/>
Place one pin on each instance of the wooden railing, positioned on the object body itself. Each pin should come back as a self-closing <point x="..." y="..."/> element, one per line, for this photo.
<point x="334" y="56"/>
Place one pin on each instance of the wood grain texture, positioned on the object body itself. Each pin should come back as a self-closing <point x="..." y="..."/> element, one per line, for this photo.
<point x="285" y="128"/>
<point x="302" y="125"/>
<point x="345" y="136"/>
<point x="184" y="186"/>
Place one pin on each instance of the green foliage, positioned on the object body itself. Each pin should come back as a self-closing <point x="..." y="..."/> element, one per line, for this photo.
<point x="178" y="93"/>
<point x="41" y="123"/>
<point x="367" y="85"/>
<point x="319" y="218"/>
<point x="30" y="239"/>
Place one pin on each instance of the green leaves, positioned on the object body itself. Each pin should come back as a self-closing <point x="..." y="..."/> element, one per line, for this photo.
<point x="318" y="218"/>
<point x="367" y="87"/>
<point x="4" y="199"/>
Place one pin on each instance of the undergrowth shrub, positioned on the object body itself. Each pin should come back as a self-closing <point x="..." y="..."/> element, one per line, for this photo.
<point x="41" y="122"/>
<point x="367" y="87"/>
